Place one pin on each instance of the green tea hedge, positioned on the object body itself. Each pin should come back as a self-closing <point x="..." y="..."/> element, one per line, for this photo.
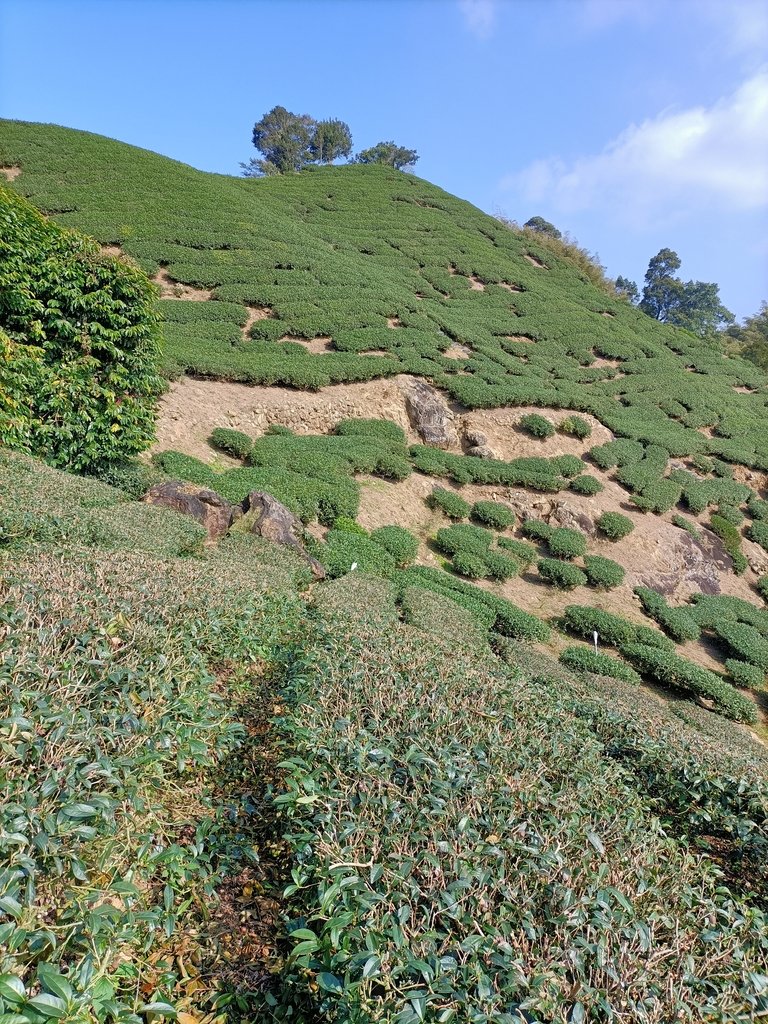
<point x="584" y="659"/>
<point x="602" y="573"/>
<point x="562" y="575"/>
<point x="449" y="502"/>
<point x="614" y="525"/>
<point x="493" y="514"/>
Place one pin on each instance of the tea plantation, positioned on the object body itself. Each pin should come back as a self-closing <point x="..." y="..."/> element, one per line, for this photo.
<point x="234" y="789"/>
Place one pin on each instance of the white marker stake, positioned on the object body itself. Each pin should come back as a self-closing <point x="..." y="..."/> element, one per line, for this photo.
<point x="594" y="637"/>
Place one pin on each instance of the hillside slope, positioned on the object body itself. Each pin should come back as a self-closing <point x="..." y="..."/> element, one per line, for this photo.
<point x="394" y="275"/>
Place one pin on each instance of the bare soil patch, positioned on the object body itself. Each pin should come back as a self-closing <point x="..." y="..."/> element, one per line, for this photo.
<point x="394" y="322"/>
<point x="510" y="287"/>
<point x="10" y="173"/>
<point x="112" y="250"/>
<point x="457" y="351"/>
<point x="318" y="346"/>
<point x="519" y="337"/>
<point x="255" y="313"/>
<point x="535" y="261"/>
<point x="476" y="285"/>
<point x="170" y="289"/>
<point x="606" y="312"/>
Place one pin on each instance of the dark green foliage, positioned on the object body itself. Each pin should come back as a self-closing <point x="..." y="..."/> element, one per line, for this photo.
<point x="351" y="526"/>
<point x="670" y="670"/>
<point x="694" y="305"/>
<point x="745" y="642"/>
<point x="536" y="529"/>
<point x="602" y="573"/>
<point x="232" y="442"/>
<point x="711" y="610"/>
<point x="699" y="494"/>
<point x="731" y="539"/>
<point x="575" y="426"/>
<point x="284" y="140"/>
<point x="611" y="629"/>
<point x="544" y="226"/>
<point x="562" y="575"/>
<point x="399" y="542"/>
<point x="658" y="496"/>
<point x="463" y="537"/>
<point x="519" y="549"/>
<point x="390" y="154"/>
<point x="586" y="485"/>
<point x="342" y="549"/>
<point x="566" y="543"/>
<point x="744" y="673"/>
<point x="757" y="508"/>
<point x="687" y="525"/>
<point x="540" y="474"/>
<point x="677" y="623"/>
<point x="493" y="514"/>
<point x="758" y="532"/>
<point x="500" y="566"/>
<point x="472" y="566"/>
<point x="78" y="345"/>
<point x="537" y="426"/>
<point x="132" y="477"/>
<point x="762" y="587"/>
<point x="731" y="514"/>
<point x="614" y="525"/>
<point x="621" y="452"/>
<point x="385" y="430"/>
<point x="449" y="502"/>
<point x="584" y="659"/>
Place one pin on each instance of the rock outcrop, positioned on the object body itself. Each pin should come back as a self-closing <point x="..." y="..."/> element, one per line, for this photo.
<point x="429" y="413"/>
<point x="212" y="511"/>
<point x="274" y="522"/>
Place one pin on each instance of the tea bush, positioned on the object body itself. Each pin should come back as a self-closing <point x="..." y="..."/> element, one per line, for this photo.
<point x="575" y="426"/>
<point x="710" y="610"/>
<point x="685" y="524"/>
<point x="670" y="670"/>
<point x="493" y="514"/>
<point x="758" y="532"/>
<point x="79" y="345"/>
<point x="537" y="426"/>
<point x="614" y="525"/>
<point x="583" y="621"/>
<point x="536" y="529"/>
<point x="399" y="542"/>
<point x="586" y="485"/>
<point x="744" y="641"/>
<point x="474" y="567"/>
<point x="744" y="673"/>
<point x="602" y="573"/>
<point x="449" y="502"/>
<point x="500" y="566"/>
<point x="584" y="659"/>
<point x="520" y="550"/>
<point x="762" y="587"/>
<point x="731" y="539"/>
<point x="677" y="623"/>
<point x="232" y="442"/>
<point x="562" y="575"/>
<point x="564" y="542"/>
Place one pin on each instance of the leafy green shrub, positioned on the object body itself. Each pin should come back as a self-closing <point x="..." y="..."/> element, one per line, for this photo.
<point x="232" y="442"/>
<point x="520" y="550"/>
<point x="463" y="537"/>
<point x="343" y="549"/>
<point x="583" y="620"/>
<point x="762" y="587"/>
<point x="512" y="621"/>
<point x="584" y="659"/>
<point x="670" y="670"/>
<point x="744" y="673"/>
<point x="731" y="539"/>
<point x="392" y="466"/>
<point x="731" y="513"/>
<point x="536" y="529"/>
<point x="399" y="542"/>
<point x="564" y="542"/>
<point x="78" y="345"/>
<point x="685" y="524"/>
<point x="659" y="496"/>
<point x="350" y="525"/>
<point x="439" y="615"/>
<point x="745" y="642"/>
<point x="133" y="478"/>
<point x="586" y="484"/>
<point x="621" y="452"/>
<point x="614" y="525"/>
<point x="575" y="426"/>
<point x="677" y="623"/>
<point x="472" y="566"/>
<point x="757" y="508"/>
<point x="709" y="610"/>
<point x="537" y="426"/>
<point x="562" y="575"/>
<point x="385" y="430"/>
<point x="500" y="566"/>
<point x="449" y="502"/>
<point x="758" y="532"/>
<point x="493" y="514"/>
<point x="602" y="573"/>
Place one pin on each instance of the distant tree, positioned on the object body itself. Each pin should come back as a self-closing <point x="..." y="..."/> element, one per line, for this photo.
<point x="388" y="153"/>
<point x="627" y="289"/>
<point x="752" y="337"/>
<point x="284" y="140"/>
<point x="330" y="140"/>
<point x="694" y="305"/>
<point x="544" y="226"/>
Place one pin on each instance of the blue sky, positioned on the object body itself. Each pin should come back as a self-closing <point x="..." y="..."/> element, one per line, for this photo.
<point x="631" y="124"/>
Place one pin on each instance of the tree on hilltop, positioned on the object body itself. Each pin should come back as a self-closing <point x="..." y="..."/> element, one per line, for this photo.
<point x="693" y="305"/>
<point x="627" y="289"/>
<point x="330" y="140"/>
<point x="284" y="140"/>
<point x="544" y="227"/>
<point x="388" y="153"/>
<point x="752" y="337"/>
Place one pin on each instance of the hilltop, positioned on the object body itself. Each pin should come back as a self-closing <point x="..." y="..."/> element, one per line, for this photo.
<point x="380" y="774"/>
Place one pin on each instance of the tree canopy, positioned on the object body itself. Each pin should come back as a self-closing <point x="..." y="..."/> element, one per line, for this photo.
<point x="544" y="226"/>
<point x="388" y="153"/>
<point x="289" y="142"/>
<point x="693" y="305"/>
<point x="330" y="140"/>
<point x="752" y="336"/>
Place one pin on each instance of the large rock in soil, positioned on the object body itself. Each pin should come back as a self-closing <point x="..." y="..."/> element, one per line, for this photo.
<point x="429" y="413"/>
<point x="212" y="511"/>
<point x="274" y="522"/>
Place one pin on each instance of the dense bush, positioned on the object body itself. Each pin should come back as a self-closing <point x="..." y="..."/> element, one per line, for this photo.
<point x="745" y="642"/>
<point x="520" y="550"/>
<point x="603" y="573"/>
<point x="385" y="430"/>
<point x="670" y="670"/>
<point x="731" y="539"/>
<point x="562" y="575"/>
<point x="342" y="549"/>
<point x="677" y="623"/>
<point x="583" y="621"/>
<point x="536" y="529"/>
<point x="449" y="502"/>
<point x="575" y="426"/>
<point x="584" y="659"/>
<point x="399" y="542"/>
<point x="614" y="525"/>
<point x="537" y="426"/>
<point x="762" y="587"/>
<point x="472" y="566"/>
<point x="709" y="610"/>
<point x="621" y="452"/>
<point x="500" y="566"/>
<point x="586" y="484"/>
<point x="78" y="345"/>
<point x="232" y="442"/>
<point x="493" y="514"/>
<point x="744" y="673"/>
<point x="564" y="542"/>
<point x="463" y="537"/>
<point x="758" y="532"/>
<point x="685" y="524"/>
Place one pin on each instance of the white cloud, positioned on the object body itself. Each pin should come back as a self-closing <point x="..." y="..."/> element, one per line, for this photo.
<point x="682" y="160"/>
<point x="479" y="16"/>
